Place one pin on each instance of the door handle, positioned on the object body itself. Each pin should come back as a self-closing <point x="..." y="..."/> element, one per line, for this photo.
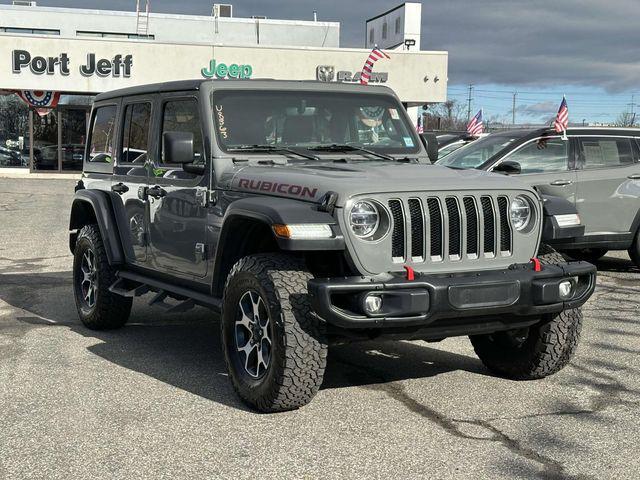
<point x="634" y="176"/>
<point x="119" y="188"/>
<point x="156" y="192"/>
<point x="561" y="183"/>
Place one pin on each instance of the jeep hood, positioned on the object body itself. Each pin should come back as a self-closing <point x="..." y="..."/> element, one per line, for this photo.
<point x="310" y="181"/>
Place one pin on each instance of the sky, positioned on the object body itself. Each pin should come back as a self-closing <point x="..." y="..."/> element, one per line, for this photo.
<point x="587" y="50"/>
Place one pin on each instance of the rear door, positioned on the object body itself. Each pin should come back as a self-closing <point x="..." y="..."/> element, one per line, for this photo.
<point x="131" y="177"/>
<point x="608" y="195"/>
<point x="177" y="199"/>
<point x="547" y="163"/>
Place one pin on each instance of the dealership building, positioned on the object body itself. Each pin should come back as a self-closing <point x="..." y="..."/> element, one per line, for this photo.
<point x="66" y="56"/>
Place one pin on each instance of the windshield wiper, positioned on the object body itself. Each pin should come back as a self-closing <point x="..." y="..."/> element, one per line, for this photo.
<point x="334" y="147"/>
<point x="271" y="148"/>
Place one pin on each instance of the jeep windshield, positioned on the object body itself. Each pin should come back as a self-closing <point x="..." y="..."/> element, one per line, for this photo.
<point x="321" y="123"/>
<point x="478" y="152"/>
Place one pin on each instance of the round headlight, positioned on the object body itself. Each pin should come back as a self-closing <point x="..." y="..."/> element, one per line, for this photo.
<point x="364" y="219"/>
<point x="520" y="213"/>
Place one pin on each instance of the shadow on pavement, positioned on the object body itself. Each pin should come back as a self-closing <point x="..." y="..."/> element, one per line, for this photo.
<point x="183" y="350"/>
<point x="614" y="264"/>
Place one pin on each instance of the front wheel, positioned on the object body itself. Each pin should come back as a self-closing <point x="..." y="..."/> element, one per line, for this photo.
<point x="536" y="351"/>
<point x="274" y="345"/>
<point x="634" y="250"/>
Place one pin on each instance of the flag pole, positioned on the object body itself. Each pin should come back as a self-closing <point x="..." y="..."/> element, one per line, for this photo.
<point x="564" y="129"/>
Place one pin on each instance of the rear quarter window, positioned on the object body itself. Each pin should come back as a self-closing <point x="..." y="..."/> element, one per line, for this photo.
<point x="606" y="152"/>
<point x="102" y="135"/>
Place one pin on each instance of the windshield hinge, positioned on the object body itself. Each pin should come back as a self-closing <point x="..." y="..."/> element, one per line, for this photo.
<point x="201" y="197"/>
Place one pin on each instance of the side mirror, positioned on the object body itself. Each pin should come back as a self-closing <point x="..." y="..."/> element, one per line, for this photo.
<point x="508" y="167"/>
<point x="178" y="147"/>
<point x="431" y="144"/>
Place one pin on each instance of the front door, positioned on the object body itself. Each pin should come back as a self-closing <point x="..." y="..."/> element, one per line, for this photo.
<point x="608" y="184"/>
<point x="546" y="165"/>
<point x="177" y="199"/>
<point x="131" y="177"/>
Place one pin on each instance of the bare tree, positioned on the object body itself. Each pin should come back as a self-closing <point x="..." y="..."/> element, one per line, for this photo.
<point x="625" y="119"/>
<point x="449" y="115"/>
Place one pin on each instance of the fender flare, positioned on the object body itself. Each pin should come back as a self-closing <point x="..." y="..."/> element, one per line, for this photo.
<point x="269" y="211"/>
<point x="552" y="206"/>
<point x="97" y="202"/>
<point x="283" y="211"/>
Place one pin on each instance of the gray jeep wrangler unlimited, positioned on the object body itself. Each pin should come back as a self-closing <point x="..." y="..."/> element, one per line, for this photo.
<point x="305" y="214"/>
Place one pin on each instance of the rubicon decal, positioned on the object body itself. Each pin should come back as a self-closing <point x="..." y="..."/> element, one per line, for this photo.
<point x="275" y="187"/>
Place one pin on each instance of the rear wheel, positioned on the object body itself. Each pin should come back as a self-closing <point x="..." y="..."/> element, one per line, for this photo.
<point x="274" y="345"/>
<point x="537" y="351"/>
<point x="591" y="255"/>
<point x="98" y="308"/>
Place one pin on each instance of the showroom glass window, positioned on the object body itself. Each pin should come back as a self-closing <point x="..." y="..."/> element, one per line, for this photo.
<point x="14" y="132"/>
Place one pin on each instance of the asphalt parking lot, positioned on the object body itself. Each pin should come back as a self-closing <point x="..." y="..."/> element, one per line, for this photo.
<point x="152" y="400"/>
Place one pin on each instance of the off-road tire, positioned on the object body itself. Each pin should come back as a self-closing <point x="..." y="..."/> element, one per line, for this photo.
<point x="548" y="347"/>
<point x="299" y="346"/>
<point x="110" y="310"/>
<point x="590" y="255"/>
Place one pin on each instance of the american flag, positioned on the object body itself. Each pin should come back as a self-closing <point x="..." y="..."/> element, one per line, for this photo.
<point x="420" y="127"/>
<point x="475" y="126"/>
<point x="562" y="119"/>
<point x="375" y="55"/>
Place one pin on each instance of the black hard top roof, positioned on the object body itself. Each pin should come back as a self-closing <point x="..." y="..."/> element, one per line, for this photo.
<point x="257" y="83"/>
<point x="176" y="86"/>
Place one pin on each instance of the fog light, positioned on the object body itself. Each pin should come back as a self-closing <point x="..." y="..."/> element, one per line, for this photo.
<point x="373" y="303"/>
<point x="565" y="289"/>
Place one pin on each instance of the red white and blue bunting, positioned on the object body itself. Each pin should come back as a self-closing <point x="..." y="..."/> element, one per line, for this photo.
<point x="41" y="100"/>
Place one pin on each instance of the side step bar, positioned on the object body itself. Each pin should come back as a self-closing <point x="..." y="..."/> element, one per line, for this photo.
<point x="163" y="290"/>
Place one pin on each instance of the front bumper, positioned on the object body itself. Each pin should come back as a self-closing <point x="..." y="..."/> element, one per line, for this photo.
<point x="518" y="291"/>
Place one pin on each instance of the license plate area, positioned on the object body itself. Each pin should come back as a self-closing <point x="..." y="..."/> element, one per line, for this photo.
<point x="500" y="294"/>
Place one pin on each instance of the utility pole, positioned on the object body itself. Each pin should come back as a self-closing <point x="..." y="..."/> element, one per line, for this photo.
<point x="469" y="103"/>
<point x="632" y="106"/>
<point x="513" y="110"/>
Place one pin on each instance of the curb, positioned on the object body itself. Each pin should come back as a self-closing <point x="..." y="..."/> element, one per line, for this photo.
<point x="24" y="173"/>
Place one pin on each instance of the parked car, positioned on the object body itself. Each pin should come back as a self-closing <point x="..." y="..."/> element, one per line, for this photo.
<point x="596" y="169"/>
<point x="9" y="157"/>
<point x="307" y="213"/>
<point x="450" y="141"/>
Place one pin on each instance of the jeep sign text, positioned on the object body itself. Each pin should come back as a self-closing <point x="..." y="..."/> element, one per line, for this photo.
<point x="222" y="70"/>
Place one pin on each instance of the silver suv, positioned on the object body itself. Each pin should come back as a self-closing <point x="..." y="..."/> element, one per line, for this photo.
<point x="597" y="170"/>
<point x="307" y="213"/>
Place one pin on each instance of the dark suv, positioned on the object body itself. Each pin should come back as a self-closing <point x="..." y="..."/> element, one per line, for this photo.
<point x="596" y="169"/>
<point x="307" y="213"/>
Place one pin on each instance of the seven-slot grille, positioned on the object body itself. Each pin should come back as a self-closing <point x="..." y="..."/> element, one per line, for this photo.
<point x="450" y="227"/>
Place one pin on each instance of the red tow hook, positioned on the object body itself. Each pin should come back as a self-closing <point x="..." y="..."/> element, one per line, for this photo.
<point x="411" y="275"/>
<point x="537" y="266"/>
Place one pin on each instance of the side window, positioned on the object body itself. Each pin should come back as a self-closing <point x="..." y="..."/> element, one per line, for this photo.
<point x="605" y="152"/>
<point x="183" y="116"/>
<point x="102" y="134"/>
<point x="135" y="133"/>
<point x="544" y="155"/>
